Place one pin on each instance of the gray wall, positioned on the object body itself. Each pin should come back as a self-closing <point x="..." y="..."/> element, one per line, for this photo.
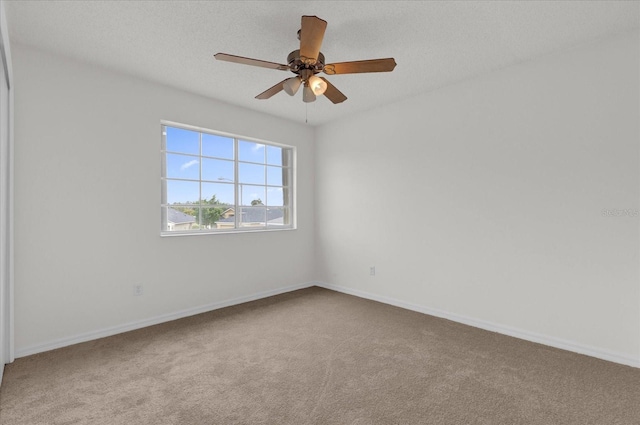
<point x="483" y="201"/>
<point x="87" y="187"/>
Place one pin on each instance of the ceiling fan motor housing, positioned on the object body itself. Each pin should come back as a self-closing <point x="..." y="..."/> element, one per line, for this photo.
<point x="297" y="64"/>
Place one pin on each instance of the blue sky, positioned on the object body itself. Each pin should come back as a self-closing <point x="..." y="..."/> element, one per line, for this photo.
<point x="218" y="170"/>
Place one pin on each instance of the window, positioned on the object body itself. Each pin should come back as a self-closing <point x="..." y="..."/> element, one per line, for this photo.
<point x="213" y="183"/>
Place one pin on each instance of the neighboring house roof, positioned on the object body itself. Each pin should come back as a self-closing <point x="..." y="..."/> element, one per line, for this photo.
<point x="178" y="217"/>
<point x="255" y="215"/>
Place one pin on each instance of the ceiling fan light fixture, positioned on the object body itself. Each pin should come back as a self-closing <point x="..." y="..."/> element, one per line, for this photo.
<point x="307" y="94"/>
<point x="292" y="85"/>
<point x="318" y="85"/>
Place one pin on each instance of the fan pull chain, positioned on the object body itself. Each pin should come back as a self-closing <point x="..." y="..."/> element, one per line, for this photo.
<point x="306" y="113"/>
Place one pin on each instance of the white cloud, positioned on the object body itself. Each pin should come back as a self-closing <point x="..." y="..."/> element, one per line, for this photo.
<point x="256" y="147"/>
<point x="188" y="164"/>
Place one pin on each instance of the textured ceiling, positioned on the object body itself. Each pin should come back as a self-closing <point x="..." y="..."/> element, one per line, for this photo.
<point x="434" y="43"/>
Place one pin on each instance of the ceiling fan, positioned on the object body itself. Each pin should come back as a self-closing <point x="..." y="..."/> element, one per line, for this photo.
<point x="309" y="61"/>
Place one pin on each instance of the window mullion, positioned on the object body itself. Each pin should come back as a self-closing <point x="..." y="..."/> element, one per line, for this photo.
<point x="236" y="183"/>
<point x="163" y="180"/>
<point x="200" y="184"/>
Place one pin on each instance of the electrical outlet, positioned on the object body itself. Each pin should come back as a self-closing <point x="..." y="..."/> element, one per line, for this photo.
<point x="138" y="290"/>
<point x="372" y="271"/>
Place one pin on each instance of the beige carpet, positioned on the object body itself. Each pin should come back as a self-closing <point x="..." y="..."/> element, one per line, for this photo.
<point x="316" y="357"/>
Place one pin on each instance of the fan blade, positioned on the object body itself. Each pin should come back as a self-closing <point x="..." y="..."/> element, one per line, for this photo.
<point x="311" y="35"/>
<point x="249" y="61"/>
<point x="271" y="91"/>
<point x="332" y="93"/>
<point x="372" y="65"/>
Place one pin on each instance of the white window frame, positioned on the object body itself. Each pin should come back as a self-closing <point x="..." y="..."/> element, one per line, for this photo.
<point x="290" y="187"/>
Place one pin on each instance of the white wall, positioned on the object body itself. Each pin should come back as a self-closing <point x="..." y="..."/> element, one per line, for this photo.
<point x="482" y="201"/>
<point x="87" y="205"/>
<point x="6" y="195"/>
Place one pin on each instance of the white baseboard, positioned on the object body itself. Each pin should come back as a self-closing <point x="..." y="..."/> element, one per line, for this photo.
<point x="493" y="327"/>
<point x="114" y="330"/>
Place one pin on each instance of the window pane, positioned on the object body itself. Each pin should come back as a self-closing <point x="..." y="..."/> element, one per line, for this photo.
<point x="276" y="217"/>
<point x="218" y="146"/>
<point x="210" y="216"/>
<point x="252" y="195"/>
<point x="217" y="194"/>
<point x="253" y="216"/>
<point x="217" y="170"/>
<point x="184" y="141"/>
<point x="212" y="182"/>
<point x="227" y="218"/>
<point x="183" y="167"/>
<point x="251" y="173"/>
<point x="181" y="218"/>
<point x="274" y="155"/>
<point x="251" y="151"/>
<point x="182" y="192"/>
<point x="275" y="197"/>
<point x="274" y="175"/>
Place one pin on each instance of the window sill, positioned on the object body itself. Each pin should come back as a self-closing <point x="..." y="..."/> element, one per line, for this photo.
<point x="222" y="232"/>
